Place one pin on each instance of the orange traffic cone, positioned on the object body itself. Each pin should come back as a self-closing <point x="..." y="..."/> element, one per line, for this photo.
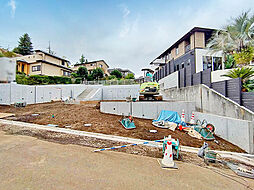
<point x="167" y="161"/>
<point x="192" y="120"/>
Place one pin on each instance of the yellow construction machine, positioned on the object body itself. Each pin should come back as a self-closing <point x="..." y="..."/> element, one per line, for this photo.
<point x="149" y="90"/>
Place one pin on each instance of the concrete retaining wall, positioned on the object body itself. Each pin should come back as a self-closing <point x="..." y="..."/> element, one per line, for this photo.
<point x="147" y="110"/>
<point x="120" y="92"/>
<point x="12" y="92"/>
<point x="169" y="81"/>
<point x="209" y="101"/>
<point x="236" y="131"/>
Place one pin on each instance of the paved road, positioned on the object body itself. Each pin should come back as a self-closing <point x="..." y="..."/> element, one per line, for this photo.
<point x="27" y="163"/>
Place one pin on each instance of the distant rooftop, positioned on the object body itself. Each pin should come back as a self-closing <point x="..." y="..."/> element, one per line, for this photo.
<point x="51" y="55"/>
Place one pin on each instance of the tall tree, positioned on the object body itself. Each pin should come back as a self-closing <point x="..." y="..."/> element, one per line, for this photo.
<point x="82" y="59"/>
<point x="236" y="37"/>
<point x="25" y="45"/>
<point x="82" y="73"/>
<point x="117" y="73"/>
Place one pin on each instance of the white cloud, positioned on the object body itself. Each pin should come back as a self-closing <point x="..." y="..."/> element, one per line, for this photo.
<point x="128" y="25"/>
<point x="126" y="11"/>
<point x="139" y="37"/>
<point x="12" y="4"/>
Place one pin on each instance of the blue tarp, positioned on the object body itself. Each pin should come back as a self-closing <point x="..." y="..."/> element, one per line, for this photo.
<point x="170" y="116"/>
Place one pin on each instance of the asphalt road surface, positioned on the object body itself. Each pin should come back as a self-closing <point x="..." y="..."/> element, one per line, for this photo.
<point x="27" y="163"/>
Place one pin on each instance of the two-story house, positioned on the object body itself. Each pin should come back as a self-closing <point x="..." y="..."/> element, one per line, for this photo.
<point x="43" y="63"/>
<point x="190" y="50"/>
<point x="91" y="65"/>
<point x="124" y="72"/>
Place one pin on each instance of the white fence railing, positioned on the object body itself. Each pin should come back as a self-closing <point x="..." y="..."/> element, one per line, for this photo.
<point x="112" y="82"/>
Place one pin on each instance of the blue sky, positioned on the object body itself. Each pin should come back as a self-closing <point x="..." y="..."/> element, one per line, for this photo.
<point x="125" y="33"/>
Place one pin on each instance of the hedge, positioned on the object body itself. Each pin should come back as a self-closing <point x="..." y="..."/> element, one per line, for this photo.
<point x="42" y="79"/>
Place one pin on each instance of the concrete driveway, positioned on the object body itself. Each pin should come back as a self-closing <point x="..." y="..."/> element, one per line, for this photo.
<point x="28" y="163"/>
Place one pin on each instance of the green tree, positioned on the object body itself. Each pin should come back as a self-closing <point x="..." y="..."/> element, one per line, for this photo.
<point x="90" y="77"/>
<point x="117" y="73"/>
<point x="25" y="45"/>
<point x="111" y="77"/>
<point x="82" y="73"/>
<point x="97" y="73"/>
<point x="230" y="62"/>
<point x="245" y="56"/>
<point x="238" y="35"/>
<point x="244" y="73"/>
<point x="130" y="76"/>
<point x="82" y="59"/>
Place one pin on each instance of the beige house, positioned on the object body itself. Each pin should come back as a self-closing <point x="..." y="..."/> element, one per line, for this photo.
<point x="93" y="65"/>
<point x="43" y="63"/>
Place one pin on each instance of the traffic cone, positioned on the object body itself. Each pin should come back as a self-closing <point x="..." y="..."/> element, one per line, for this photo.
<point x="192" y="120"/>
<point x="167" y="161"/>
<point x="183" y="116"/>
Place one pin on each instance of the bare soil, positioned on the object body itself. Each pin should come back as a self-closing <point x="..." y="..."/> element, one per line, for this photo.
<point x="76" y="116"/>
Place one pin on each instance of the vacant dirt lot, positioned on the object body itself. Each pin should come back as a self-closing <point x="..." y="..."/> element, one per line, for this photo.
<point x="77" y="115"/>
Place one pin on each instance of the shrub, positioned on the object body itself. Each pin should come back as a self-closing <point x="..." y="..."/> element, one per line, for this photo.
<point x="117" y="73"/>
<point x="130" y="76"/>
<point x="42" y="80"/>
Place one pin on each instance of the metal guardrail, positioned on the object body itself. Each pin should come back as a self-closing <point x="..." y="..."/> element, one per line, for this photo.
<point x="112" y="82"/>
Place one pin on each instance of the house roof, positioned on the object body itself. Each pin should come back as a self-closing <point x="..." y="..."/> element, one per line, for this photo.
<point x="21" y="60"/>
<point x="186" y="36"/>
<point x="51" y="55"/>
<point x="43" y="61"/>
<point x="90" y="62"/>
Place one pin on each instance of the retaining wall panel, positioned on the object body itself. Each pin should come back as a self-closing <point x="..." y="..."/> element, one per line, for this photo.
<point x="137" y="110"/>
<point x="123" y="108"/>
<point x="150" y="110"/>
<point x="238" y="132"/>
<point x="5" y="94"/>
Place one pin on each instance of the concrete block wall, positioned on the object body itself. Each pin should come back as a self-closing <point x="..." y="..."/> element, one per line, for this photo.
<point x="12" y="92"/>
<point x="120" y="92"/>
<point x="147" y="110"/>
<point x="169" y="81"/>
<point x="236" y="131"/>
<point x="5" y="94"/>
<point x="209" y="101"/>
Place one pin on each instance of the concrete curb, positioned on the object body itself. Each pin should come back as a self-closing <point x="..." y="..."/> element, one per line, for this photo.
<point x="79" y="133"/>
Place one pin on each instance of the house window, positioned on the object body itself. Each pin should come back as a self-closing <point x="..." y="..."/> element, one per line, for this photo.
<point x="207" y="62"/>
<point x="217" y="63"/>
<point x="23" y="68"/>
<point x="66" y="73"/>
<point x="63" y="63"/>
<point x="182" y="65"/>
<point x="91" y="64"/>
<point x="177" y="51"/>
<point x="36" y="68"/>
<point x="100" y="66"/>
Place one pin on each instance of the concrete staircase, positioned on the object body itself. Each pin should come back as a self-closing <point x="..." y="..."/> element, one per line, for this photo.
<point x="87" y="94"/>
